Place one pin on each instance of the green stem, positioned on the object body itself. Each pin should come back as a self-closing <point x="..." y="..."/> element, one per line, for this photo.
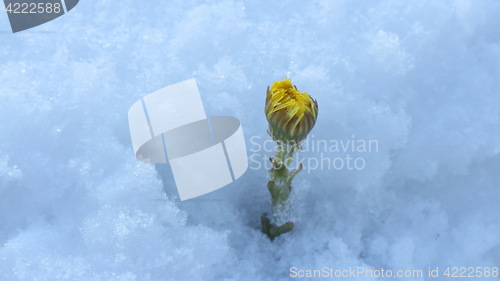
<point x="280" y="187"/>
<point x="281" y="175"/>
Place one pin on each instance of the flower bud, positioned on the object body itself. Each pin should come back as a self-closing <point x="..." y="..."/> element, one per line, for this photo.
<point x="291" y="114"/>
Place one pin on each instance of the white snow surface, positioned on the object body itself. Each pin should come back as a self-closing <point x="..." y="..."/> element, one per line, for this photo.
<point x="420" y="77"/>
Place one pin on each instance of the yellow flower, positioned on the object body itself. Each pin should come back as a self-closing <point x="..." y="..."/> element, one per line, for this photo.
<point x="291" y="114"/>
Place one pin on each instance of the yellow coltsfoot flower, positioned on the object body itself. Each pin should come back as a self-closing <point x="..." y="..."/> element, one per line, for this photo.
<point x="291" y="114"/>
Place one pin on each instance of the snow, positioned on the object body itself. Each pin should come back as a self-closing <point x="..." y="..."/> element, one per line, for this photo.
<point x="420" y="77"/>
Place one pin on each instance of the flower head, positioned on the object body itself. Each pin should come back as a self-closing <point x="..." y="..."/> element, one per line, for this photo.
<point x="291" y="114"/>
